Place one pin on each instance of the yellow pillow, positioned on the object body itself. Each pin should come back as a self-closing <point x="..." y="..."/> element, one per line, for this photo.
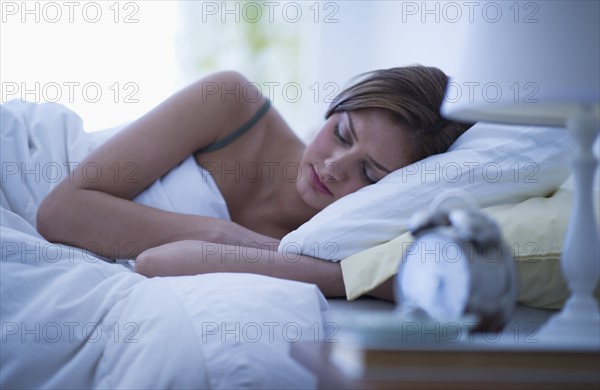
<point x="534" y="229"/>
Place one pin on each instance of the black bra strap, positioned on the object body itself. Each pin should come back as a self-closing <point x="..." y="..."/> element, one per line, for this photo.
<point x="232" y="136"/>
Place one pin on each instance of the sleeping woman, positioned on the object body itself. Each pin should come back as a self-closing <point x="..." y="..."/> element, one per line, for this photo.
<point x="385" y="121"/>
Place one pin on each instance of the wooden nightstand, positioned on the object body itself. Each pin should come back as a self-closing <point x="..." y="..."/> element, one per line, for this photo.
<point x="512" y="359"/>
<point x="488" y="368"/>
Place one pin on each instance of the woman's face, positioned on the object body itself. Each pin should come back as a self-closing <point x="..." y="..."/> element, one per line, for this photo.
<point x="352" y="150"/>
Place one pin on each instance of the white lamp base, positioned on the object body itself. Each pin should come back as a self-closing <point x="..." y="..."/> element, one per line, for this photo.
<point x="578" y="324"/>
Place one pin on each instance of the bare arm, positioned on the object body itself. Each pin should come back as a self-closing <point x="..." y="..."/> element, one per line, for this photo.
<point x="98" y="214"/>
<point x="200" y="257"/>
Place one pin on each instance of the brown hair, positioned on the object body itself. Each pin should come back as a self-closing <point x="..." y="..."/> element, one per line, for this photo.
<point x="413" y="96"/>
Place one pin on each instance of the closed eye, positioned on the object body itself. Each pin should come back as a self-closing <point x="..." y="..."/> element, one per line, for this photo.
<point x="365" y="175"/>
<point x="338" y="135"/>
<point x="363" y="166"/>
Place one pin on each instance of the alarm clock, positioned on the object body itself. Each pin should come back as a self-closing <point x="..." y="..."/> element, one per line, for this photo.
<point x="457" y="266"/>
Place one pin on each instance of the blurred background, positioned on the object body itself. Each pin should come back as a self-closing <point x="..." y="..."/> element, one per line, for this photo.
<point x="112" y="61"/>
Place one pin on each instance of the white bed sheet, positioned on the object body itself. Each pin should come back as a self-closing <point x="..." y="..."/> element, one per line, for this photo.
<point x="71" y="320"/>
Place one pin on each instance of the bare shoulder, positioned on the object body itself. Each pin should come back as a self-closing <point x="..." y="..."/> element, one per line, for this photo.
<point x="269" y="136"/>
<point x="269" y="141"/>
<point x="247" y="100"/>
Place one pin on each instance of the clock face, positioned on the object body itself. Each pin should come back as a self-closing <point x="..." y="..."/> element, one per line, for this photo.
<point x="435" y="277"/>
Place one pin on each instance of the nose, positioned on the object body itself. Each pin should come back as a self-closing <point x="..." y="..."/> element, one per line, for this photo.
<point x="335" y="167"/>
<point x="331" y="171"/>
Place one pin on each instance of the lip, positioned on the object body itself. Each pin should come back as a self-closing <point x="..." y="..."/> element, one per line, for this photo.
<point x="317" y="183"/>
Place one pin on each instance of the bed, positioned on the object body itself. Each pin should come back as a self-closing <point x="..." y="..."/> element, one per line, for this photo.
<point x="72" y="320"/>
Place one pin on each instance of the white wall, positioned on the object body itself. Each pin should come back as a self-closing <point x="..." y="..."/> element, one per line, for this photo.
<point x="155" y="53"/>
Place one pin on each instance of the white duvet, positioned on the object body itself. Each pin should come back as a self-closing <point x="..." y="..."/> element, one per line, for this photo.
<point x="70" y="320"/>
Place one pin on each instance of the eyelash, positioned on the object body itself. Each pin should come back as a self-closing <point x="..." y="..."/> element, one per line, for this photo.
<point x="363" y="167"/>
<point x="366" y="177"/>
<point x="336" y="132"/>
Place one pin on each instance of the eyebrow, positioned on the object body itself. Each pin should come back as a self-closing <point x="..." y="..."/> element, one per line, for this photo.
<point x="371" y="160"/>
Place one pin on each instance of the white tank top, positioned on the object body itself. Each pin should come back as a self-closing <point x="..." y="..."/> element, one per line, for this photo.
<point x="186" y="189"/>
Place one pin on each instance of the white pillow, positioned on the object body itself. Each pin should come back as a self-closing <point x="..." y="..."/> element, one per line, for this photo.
<point x="494" y="163"/>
